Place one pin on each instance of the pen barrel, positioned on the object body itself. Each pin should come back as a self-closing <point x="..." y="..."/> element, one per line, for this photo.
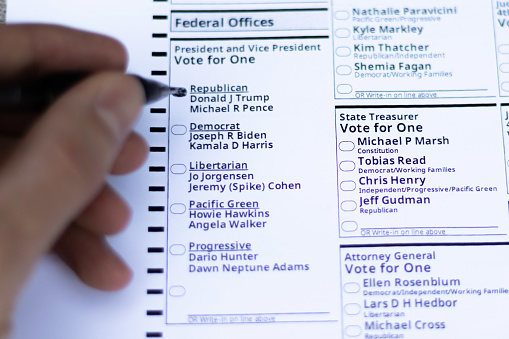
<point x="37" y="95"/>
<point x="9" y="97"/>
<point x="20" y="100"/>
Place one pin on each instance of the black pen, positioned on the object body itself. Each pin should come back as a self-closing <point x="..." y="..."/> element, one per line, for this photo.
<point x="39" y="94"/>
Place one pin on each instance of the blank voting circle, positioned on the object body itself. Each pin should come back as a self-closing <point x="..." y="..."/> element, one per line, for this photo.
<point x="177" y="249"/>
<point x="504" y="68"/>
<point x="347" y="185"/>
<point x="178" y="169"/>
<point x="503" y="49"/>
<point x="353" y="331"/>
<point x="177" y="291"/>
<point x="343" y="51"/>
<point x="341" y="15"/>
<point x="178" y="129"/>
<point x="351" y="287"/>
<point x="505" y="86"/>
<point x="178" y="208"/>
<point x="344" y="89"/>
<point x="344" y="70"/>
<point x="348" y="205"/>
<point x="347" y="166"/>
<point x="349" y="226"/>
<point x="346" y="146"/>
<point x="342" y="33"/>
<point x="352" y="309"/>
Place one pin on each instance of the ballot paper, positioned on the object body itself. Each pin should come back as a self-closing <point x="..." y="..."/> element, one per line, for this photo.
<point x="338" y="169"/>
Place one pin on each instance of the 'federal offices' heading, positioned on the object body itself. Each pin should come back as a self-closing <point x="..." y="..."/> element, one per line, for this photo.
<point x="221" y="22"/>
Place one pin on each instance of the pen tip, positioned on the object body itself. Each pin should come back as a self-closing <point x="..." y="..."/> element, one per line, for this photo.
<point x="181" y="92"/>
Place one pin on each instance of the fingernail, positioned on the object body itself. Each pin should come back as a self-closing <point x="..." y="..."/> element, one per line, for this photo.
<point x="119" y="103"/>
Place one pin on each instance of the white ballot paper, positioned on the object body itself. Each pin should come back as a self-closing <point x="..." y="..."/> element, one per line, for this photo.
<point x="338" y="169"/>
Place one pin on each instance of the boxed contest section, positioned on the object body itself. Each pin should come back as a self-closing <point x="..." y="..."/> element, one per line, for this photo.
<point x="246" y="69"/>
<point x="399" y="53"/>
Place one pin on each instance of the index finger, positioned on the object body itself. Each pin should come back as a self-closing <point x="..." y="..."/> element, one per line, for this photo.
<point x="32" y="50"/>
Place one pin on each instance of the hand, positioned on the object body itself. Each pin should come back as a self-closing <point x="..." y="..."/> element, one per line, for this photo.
<point x="53" y="193"/>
